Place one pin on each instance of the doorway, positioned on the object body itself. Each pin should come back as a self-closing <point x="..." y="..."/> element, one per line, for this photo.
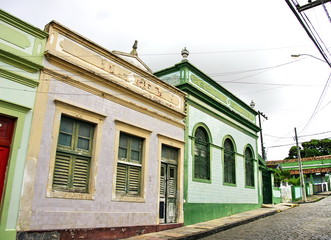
<point x="6" y="134"/>
<point x="168" y="185"/>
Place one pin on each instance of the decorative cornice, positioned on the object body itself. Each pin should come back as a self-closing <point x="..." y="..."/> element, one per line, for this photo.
<point x="18" y="78"/>
<point x="18" y="61"/>
<point x="18" y="23"/>
<point x="108" y="54"/>
<point x="113" y="97"/>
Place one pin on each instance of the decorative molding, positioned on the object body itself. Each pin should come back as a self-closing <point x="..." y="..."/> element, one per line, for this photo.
<point x="18" y="78"/>
<point x="18" y="23"/>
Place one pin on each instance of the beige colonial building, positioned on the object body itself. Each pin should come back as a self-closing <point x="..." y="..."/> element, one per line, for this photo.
<point x="106" y="145"/>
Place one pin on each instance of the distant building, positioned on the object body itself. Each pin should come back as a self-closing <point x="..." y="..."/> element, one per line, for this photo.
<point x="316" y="170"/>
<point x="107" y="145"/>
<point x="221" y="153"/>
<point x="21" y="54"/>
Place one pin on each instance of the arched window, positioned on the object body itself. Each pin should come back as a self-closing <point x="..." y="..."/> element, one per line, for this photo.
<point x="249" y="167"/>
<point x="229" y="162"/>
<point x="201" y="154"/>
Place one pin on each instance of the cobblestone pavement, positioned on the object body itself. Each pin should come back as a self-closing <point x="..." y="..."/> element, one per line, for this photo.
<point x="307" y="221"/>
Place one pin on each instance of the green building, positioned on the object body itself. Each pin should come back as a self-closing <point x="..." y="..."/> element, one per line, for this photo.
<point x="221" y="171"/>
<point x="316" y="170"/>
<point x="21" y="55"/>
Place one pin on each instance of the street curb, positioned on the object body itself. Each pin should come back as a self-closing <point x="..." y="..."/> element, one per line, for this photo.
<point x="226" y="227"/>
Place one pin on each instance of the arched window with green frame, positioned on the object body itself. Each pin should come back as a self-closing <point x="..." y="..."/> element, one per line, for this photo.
<point x="249" y="167"/>
<point x="229" y="162"/>
<point x="201" y="154"/>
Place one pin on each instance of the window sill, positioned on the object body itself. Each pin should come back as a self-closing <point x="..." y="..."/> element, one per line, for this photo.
<point x="201" y="180"/>
<point x="250" y="187"/>
<point x="70" y="195"/>
<point x="128" y="199"/>
<point x="230" y="184"/>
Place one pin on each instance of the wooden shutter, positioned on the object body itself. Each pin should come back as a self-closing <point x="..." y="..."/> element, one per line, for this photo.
<point x="134" y="180"/>
<point x="61" y="171"/>
<point x="172" y="181"/>
<point x="121" y="178"/>
<point x="163" y="180"/>
<point x="81" y="174"/>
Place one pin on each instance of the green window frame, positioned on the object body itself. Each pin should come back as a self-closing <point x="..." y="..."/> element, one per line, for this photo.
<point x="249" y="167"/>
<point x="229" y="162"/>
<point x="129" y="165"/>
<point x="201" y="154"/>
<point x="73" y="155"/>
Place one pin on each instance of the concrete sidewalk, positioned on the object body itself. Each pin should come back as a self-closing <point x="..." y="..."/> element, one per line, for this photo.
<point x="199" y="230"/>
<point x="203" y="229"/>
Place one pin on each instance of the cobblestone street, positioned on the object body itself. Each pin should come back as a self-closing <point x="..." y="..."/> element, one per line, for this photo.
<point x="308" y="221"/>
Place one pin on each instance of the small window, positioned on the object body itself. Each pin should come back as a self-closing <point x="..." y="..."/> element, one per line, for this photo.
<point x="169" y="153"/>
<point x="129" y="166"/>
<point x="229" y="162"/>
<point x="73" y="155"/>
<point x="201" y="155"/>
<point x="249" y="167"/>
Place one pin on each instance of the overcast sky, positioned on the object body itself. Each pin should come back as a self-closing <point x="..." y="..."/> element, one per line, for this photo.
<point x="246" y="46"/>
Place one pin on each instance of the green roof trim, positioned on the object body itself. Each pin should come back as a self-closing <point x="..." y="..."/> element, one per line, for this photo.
<point x="185" y="72"/>
<point x="26" y="27"/>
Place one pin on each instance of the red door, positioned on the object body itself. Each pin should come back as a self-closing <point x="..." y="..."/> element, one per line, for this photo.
<point x="6" y="133"/>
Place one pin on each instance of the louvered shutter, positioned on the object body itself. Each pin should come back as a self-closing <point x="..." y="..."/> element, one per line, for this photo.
<point x="163" y="181"/>
<point x="61" y="171"/>
<point x="172" y="181"/>
<point x="81" y="174"/>
<point x="134" y="180"/>
<point x="121" y="178"/>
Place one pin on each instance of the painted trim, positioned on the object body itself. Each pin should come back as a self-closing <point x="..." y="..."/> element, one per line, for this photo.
<point x="219" y="117"/>
<point x="254" y="168"/>
<point x="191" y="90"/>
<point x="201" y="212"/>
<point x="117" y="99"/>
<point x="210" y="140"/>
<point x="80" y="113"/>
<point x="180" y="145"/>
<point x="18" y="78"/>
<point x="19" y="112"/>
<point x="20" y="24"/>
<point x="20" y="62"/>
<point x="235" y="160"/>
<point x="146" y="135"/>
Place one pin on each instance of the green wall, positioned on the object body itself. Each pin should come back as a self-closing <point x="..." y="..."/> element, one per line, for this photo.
<point x="201" y="212"/>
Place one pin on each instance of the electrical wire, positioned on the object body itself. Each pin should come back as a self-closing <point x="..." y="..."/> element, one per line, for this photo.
<point x="318" y="103"/>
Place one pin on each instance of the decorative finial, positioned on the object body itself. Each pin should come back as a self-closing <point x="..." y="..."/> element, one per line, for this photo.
<point x="134" y="48"/>
<point x="252" y="104"/>
<point x="185" y="54"/>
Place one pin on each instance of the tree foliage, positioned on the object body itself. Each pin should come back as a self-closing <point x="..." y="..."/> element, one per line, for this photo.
<point x="281" y="176"/>
<point x="311" y="148"/>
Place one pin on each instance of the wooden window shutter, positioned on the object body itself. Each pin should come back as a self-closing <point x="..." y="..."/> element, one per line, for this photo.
<point x="73" y="155"/>
<point x="121" y="178"/>
<point x="61" y="171"/>
<point x="81" y="174"/>
<point x="134" y="180"/>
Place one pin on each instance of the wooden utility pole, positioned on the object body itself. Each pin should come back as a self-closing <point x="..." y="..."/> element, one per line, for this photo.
<point x="261" y="135"/>
<point x="302" y="180"/>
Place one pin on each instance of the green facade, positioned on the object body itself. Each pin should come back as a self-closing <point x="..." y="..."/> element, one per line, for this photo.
<point x="21" y="53"/>
<point x="223" y="116"/>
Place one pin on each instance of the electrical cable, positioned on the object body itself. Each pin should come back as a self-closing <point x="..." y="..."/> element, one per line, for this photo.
<point x="318" y="103"/>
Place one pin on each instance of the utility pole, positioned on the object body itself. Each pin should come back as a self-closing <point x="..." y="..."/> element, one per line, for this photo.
<point x="302" y="181"/>
<point x="261" y="135"/>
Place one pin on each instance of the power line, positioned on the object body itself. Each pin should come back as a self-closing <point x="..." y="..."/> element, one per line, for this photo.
<point x="318" y="103"/>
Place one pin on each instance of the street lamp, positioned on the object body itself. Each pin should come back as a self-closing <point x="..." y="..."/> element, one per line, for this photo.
<point x="304" y="54"/>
